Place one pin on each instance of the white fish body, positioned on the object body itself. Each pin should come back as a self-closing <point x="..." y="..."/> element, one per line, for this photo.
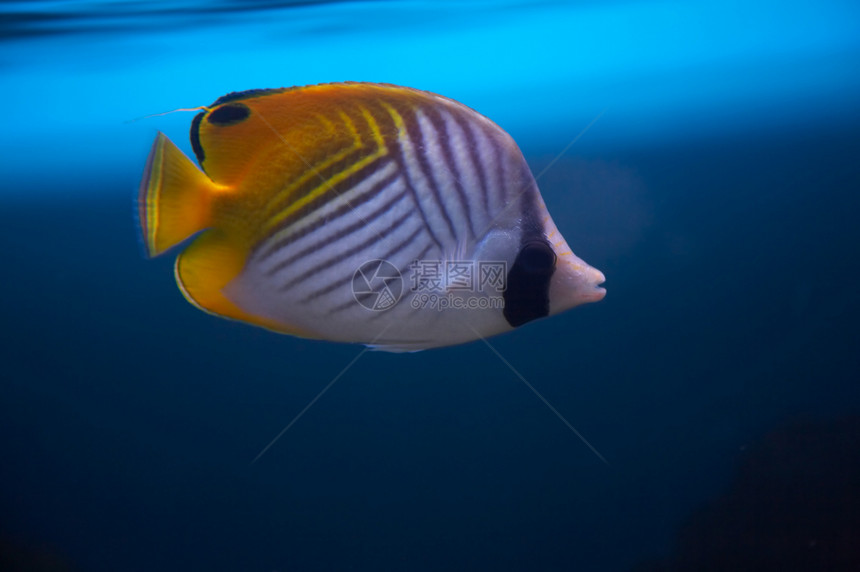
<point x="414" y="222"/>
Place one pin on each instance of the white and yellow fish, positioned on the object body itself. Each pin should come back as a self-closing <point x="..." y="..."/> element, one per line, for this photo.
<point x="359" y="212"/>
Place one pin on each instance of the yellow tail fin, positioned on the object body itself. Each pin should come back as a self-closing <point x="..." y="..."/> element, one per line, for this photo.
<point x="175" y="197"/>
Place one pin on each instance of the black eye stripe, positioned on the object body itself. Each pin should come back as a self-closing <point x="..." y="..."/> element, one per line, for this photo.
<point x="537" y="257"/>
<point x="527" y="292"/>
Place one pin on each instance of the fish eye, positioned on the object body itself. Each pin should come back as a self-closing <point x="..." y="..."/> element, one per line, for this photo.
<point x="537" y="257"/>
<point x="229" y="114"/>
<point x="527" y="292"/>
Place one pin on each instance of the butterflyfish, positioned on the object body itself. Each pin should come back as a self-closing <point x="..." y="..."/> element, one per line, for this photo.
<point x="359" y="212"/>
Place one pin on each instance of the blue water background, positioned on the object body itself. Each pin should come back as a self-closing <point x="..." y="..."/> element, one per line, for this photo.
<point x="713" y="177"/>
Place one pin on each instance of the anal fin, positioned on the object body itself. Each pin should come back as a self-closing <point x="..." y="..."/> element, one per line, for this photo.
<point x="204" y="269"/>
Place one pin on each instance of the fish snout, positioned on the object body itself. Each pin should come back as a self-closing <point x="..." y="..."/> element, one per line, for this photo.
<point x="596" y="293"/>
<point x="575" y="283"/>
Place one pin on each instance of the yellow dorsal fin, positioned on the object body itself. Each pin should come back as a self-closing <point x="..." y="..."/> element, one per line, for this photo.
<point x="204" y="269"/>
<point x="239" y="136"/>
<point x="175" y="197"/>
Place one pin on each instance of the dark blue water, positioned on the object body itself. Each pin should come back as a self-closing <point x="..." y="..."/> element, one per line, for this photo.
<point x="718" y="192"/>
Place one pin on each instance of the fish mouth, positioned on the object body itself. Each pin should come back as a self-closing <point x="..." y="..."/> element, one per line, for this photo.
<point x="596" y="295"/>
<point x="598" y="292"/>
<point x="578" y="284"/>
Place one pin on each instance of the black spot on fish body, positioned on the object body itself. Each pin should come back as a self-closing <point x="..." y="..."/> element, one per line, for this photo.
<point x="527" y="292"/>
<point x="229" y="114"/>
